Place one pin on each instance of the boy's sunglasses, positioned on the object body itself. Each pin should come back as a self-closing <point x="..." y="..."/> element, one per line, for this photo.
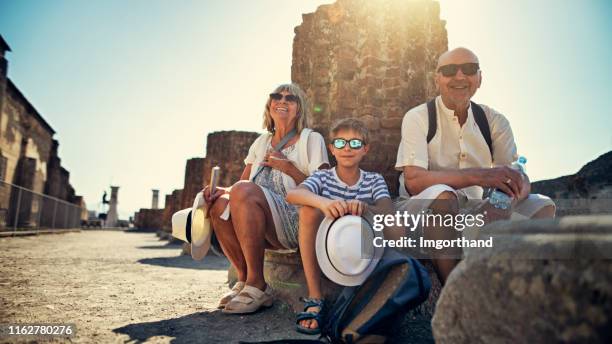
<point x="278" y="96"/>
<point x="353" y="143"/>
<point x="466" y="68"/>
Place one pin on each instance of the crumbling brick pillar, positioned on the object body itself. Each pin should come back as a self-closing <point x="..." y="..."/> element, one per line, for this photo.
<point x="372" y="60"/>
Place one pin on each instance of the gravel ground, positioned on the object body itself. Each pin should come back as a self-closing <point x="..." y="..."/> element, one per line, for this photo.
<point x="123" y="287"/>
<point x="120" y="287"/>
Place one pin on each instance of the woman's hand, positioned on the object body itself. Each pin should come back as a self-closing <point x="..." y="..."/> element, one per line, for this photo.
<point x="278" y="161"/>
<point x="210" y="199"/>
<point x="334" y="208"/>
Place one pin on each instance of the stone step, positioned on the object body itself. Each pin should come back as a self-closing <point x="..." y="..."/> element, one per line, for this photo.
<point x="285" y="274"/>
<point x="543" y="281"/>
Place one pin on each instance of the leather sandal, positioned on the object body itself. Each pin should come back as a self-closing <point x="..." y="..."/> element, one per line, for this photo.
<point x="227" y="297"/>
<point x="249" y="300"/>
<point x="310" y="315"/>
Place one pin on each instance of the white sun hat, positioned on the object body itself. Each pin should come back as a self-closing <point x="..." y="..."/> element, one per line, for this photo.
<point x="345" y="249"/>
<point x="191" y="225"/>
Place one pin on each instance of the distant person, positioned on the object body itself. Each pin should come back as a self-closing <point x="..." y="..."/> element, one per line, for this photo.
<point x="253" y="215"/>
<point x="341" y="190"/>
<point x="450" y="162"/>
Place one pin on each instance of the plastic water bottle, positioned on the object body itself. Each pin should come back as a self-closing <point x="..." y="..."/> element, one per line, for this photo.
<point x="500" y="199"/>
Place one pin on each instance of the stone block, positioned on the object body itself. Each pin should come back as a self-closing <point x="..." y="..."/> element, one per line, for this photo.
<point x="543" y="281"/>
<point x="391" y="123"/>
<point x="285" y="274"/>
<point x="370" y="121"/>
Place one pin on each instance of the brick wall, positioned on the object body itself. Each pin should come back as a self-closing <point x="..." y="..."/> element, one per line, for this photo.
<point x="371" y="60"/>
<point x="171" y="205"/>
<point x="226" y="149"/>
<point x="149" y="218"/>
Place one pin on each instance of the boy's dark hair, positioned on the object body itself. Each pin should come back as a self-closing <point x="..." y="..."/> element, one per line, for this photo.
<point x="350" y="124"/>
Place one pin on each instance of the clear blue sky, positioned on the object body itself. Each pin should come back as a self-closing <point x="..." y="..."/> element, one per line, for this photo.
<point x="133" y="87"/>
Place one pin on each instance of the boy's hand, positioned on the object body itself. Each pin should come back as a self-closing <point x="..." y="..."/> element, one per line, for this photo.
<point x="334" y="208"/>
<point x="356" y="207"/>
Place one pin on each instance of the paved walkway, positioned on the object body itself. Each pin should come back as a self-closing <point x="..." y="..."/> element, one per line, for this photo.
<point x="122" y="287"/>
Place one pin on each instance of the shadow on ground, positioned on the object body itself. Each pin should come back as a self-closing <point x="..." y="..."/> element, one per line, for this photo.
<point x="271" y="324"/>
<point x="168" y="245"/>
<point x="216" y="327"/>
<point x="141" y="230"/>
<point x="211" y="262"/>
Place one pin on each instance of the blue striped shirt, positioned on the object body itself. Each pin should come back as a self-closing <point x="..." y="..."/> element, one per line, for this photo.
<point x="369" y="188"/>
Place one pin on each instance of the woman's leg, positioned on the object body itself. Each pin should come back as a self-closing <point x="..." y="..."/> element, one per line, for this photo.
<point x="310" y="219"/>
<point x="254" y="228"/>
<point x="224" y="230"/>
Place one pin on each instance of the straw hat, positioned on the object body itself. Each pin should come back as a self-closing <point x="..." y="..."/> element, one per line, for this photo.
<point x="345" y="249"/>
<point x="191" y="225"/>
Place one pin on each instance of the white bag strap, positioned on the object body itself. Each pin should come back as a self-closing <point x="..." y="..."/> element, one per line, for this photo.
<point x="303" y="150"/>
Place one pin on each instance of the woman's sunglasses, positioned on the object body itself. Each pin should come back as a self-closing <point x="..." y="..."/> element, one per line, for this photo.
<point x="466" y="68"/>
<point x="353" y="143"/>
<point x="289" y="97"/>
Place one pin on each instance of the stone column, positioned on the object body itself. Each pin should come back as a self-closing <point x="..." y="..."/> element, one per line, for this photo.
<point x="371" y="60"/>
<point x="112" y="218"/>
<point x="155" y="200"/>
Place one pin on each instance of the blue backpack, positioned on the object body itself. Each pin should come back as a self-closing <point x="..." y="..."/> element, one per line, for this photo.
<point x="367" y="313"/>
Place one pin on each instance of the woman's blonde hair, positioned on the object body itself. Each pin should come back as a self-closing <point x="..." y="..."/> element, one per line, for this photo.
<point x="303" y="108"/>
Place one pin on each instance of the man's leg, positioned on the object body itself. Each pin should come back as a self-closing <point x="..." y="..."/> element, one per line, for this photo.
<point x="536" y="206"/>
<point x="444" y="260"/>
<point x="309" y="220"/>
<point x="548" y="212"/>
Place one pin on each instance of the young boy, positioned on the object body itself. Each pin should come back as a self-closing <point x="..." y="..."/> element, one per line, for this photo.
<point x="341" y="190"/>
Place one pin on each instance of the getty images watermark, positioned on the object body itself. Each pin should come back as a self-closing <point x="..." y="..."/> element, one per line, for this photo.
<point x="425" y="220"/>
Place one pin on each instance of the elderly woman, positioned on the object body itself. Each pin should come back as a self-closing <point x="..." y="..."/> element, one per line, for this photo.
<point x="253" y="215"/>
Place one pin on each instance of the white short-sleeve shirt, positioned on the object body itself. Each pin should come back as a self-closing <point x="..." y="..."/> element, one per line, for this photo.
<point x="309" y="156"/>
<point x="454" y="146"/>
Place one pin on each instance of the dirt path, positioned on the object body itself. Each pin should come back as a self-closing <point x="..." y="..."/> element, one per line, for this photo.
<point x="124" y="287"/>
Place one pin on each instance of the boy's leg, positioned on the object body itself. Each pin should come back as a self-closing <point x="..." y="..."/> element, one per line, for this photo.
<point x="309" y="219"/>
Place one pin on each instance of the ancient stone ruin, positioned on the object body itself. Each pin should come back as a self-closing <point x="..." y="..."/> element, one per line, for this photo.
<point x="374" y="60"/>
<point x="368" y="60"/>
<point x="371" y="60"/>
<point x="226" y="149"/>
<point x="589" y="191"/>
<point x="29" y="159"/>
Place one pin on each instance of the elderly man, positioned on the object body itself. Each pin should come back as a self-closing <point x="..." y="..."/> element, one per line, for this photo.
<point x="452" y="148"/>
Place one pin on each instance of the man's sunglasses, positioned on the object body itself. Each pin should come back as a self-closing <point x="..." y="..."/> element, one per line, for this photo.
<point x="353" y="143"/>
<point x="289" y="97"/>
<point x="466" y="68"/>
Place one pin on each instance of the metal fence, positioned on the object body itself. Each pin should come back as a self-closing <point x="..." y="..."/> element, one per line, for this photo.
<point x="25" y="209"/>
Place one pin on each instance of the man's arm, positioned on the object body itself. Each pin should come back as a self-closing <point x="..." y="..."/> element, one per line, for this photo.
<point x="418" y="179"/>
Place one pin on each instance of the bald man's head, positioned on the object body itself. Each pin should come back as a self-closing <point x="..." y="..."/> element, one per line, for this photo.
<point x="457" y="89"/>
<point x="457" y="56"/>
